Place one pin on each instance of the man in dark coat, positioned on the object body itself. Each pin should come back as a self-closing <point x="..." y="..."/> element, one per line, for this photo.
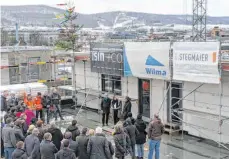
<point x="57" y="135"/>
<point x="66" y="152"/>
<point x="18" y="130"/>
<point x="105" y="107"/>
<point x="19" y="152"/>
<point x="3" y="101"/>
<point x="98" y="146"/>
<point x="47" y="148"/>
<point x="127" y="107"/>
<point x="82" y="141"/>
<point x="9" y="138"/>
<point x="132" y="132"/>
<point x="39" y="125"/>
<point x="74" y="130"/>
<point x="73" y="145"/>
<point x="32" y="145"/>
<point x="141" y="138"/>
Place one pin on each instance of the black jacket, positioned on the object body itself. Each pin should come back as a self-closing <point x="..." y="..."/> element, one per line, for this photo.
<point x="82" y="141"/>
<point x="141" y="126"/>
<point x="47" y="150"/>
<point x="74" y="130"/>
<point x="19" y="154"/>
<point x="127" y="108"/>
<point x="57" y="136"/>
<point x="46" y="100"/>
<point x="3" y="103"/>
<point x="65" y="153"/>
<point x="18" y="133"/>
<point x="106" y="105"/>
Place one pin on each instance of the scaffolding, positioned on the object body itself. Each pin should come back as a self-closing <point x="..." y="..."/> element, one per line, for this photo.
<point x="89" y="87"/>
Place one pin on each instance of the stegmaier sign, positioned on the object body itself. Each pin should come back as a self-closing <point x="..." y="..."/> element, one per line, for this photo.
<point x="196" y="62"/>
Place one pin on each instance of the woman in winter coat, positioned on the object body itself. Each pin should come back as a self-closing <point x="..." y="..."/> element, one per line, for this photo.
<point x="121" y="143"/>
<point x="141" y="138"/>
<point x="132" y="132"/>
<point x="57" y="135"/>
<point x="127" y="107"/>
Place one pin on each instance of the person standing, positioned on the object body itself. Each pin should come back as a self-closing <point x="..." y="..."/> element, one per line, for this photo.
<point x="4" y="103"/>
<point x="98" y="146"/>
<point x="32" y="145"/>
<point x="38" y="105"/>
<point x="28" y="100"/>
<point x="19" y="152"/>
<point x="55" y="101"/>
<point x="57" y="135"/>
<point x="39" y="126"/>
<point x="155" y="131"/>
<point x="132" y="132"/>
<point x="120" y="142"/>
<point x="18" y="130"/>
<point x="105" y="107"/>
<point x="82" y="141"/>
<point x="116" y="107"/>
<point x="73" y="128"/>
<point x="66" y="152"/>
<point x="141" y="138"/>
<point x="127" y="108"/>
<point x="47" y="148"/>
<point x="46" y="102"/>
<point x="9" y="138"/>
<point x="13" y="101"/>
<point x="73" y="145"/>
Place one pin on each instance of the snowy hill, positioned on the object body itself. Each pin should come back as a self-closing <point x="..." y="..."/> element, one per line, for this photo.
<point x="41" y="15"/>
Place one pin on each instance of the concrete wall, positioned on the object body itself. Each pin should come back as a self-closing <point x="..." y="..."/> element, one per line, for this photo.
<point x="202" y="109"/>
<point x="4" y="72"/>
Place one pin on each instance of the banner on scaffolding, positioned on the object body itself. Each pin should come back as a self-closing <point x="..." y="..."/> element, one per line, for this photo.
<point x="196" y="62"/>
<point x="147" y="60"/>
<point x="107" y="58"/>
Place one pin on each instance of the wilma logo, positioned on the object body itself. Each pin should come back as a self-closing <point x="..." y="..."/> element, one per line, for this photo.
<point x="150" y="61"/>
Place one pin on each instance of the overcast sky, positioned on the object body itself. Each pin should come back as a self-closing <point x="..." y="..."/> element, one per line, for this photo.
<point x="215" y="7"/>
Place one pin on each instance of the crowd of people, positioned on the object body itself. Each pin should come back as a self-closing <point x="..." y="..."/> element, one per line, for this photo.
<point x="26" y="135"/>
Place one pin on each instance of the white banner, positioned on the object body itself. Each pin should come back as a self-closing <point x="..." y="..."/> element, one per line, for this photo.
<point x="196" y="62"/>
<point x="147" y="59"/>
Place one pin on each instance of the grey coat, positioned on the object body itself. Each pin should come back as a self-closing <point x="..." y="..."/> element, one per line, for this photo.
<point x="18" y="133"/>
<point x="82" y="141"/>
<point x="19" y="154"/>
<point x="8" y="136"/>
<point x="47" y="150"/>
<point x="32" y="147"/>
<point x="98" y="147"/>
<point x="65" y="153"/>
<point x="3" y="103"/>
<point x="132" y="132"/>
<point x="73" y="145"/>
